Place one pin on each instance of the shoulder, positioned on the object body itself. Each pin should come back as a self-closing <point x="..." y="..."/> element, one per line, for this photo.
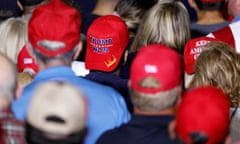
<point x="91" y="87"/>
<point x="112" y="136"/>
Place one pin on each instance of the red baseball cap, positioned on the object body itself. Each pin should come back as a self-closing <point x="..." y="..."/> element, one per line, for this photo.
<point x="157" y="61"/>
<point x="54" y="22"/>
<point x="107" y="38"/>
<point x="26" y="62"/>
<point x="192" y="50"/>
<point x="205" y="110"/>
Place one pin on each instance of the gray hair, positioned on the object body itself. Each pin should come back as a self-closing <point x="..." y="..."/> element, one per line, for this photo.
<point x="156" y="101"/>
<point x="50" y="46"/>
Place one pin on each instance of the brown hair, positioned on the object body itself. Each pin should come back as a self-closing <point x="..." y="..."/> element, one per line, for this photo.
<point x="219" y="65"/>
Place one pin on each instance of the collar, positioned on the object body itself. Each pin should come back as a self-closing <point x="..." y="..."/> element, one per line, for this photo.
<point x="236" y="19"/>
<point x="107" y="79"/>
<point x="158" y="120"/>
<point x="52" y="72"/>
<point x="101" y="76"/>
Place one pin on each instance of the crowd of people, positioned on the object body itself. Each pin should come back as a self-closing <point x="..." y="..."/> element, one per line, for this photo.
<point x="126" y="71"/>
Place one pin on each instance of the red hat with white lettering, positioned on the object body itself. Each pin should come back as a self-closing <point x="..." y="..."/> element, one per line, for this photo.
<point x="54" y="23"/>
<point x="107" y="38"/>
<point x="159" y="62"/>
<point x="192" y="50"/>
<point x="26" y="62"/>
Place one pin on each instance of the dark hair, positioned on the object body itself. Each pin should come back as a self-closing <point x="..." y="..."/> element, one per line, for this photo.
<point x="132" y="11"/>
<point x="196" y="138"/>
<point x="209" y="5"/>
<point x="36" y="136"/>
<point x="66" y="57"/>
<point x="74" y="4"/>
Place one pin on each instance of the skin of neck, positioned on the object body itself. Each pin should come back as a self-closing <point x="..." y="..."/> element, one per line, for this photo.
<point x="104" y="8"/>
<point x="167" y="111"/>
<point x="52" y="63"/>
<point x="210" y="17"/>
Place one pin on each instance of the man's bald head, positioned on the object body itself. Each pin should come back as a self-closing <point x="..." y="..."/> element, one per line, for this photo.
<point x="8" y="74"/>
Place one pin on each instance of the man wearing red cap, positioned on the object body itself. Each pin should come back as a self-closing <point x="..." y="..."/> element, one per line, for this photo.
<point x="155" y="86"/>
<point x="25" y="62"/>
<point x="54" y="41"/>
<point x="107" y="40"/>
<point x="230" y="33"/>
<point x="203" y="116"/>
<point x="209" y="15"/>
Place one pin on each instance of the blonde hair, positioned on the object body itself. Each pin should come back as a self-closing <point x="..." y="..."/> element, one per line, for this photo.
<point x="156" y="101"/>
<point x="24" y="78"/>
<point x="167" y="23"/>
<point x="13" y="36"/>
<point x="219" y="65"/>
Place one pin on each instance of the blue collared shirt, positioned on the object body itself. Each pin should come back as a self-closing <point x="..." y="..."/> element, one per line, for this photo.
<point x="141" y="129"/>
<point x="106" y="106"/>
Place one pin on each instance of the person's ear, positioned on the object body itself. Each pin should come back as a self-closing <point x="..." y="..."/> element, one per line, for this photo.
<point x="125" y="55"/>
<point x="228" y="140"/>
<point x="172" y="130"/>
<point x="19" y="90"/>
<point x="20" y="5"/>
<point x="129" y="84"/>
<point x="193" y="4"/>
<point x="78" y="50"/>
